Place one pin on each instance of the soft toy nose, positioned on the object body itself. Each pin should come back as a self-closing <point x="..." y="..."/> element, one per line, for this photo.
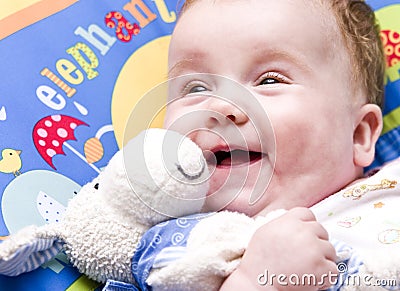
<point x="190" y="160"/>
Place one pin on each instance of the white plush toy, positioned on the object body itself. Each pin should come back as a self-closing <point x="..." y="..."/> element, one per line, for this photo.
<point x="158" y="175"/>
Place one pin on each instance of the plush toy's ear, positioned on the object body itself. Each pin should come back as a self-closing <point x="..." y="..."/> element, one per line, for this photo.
<point x="27" y="250"/>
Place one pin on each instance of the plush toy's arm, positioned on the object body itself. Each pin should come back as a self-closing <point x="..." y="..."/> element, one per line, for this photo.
<point x="28" y="249"/>
<point x="214" y="249"/>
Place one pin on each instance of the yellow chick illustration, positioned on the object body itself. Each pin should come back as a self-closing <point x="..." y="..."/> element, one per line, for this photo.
<point x="11" y="162"/>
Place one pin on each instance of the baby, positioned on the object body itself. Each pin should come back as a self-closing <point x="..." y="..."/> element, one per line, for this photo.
<point x="284" y="98"/>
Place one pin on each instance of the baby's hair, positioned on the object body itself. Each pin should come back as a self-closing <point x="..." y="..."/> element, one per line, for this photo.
<point x="361" y="35"/>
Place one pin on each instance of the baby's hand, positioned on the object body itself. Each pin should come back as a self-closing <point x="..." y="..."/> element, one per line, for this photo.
<point x="291" y="252"/>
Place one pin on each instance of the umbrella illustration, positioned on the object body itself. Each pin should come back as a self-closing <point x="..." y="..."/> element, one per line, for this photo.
<point x="93" y="148"/>
<point x="52" y="132"/>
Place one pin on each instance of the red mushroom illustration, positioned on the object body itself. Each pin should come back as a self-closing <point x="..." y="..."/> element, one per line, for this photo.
<point x="52" y="132"/>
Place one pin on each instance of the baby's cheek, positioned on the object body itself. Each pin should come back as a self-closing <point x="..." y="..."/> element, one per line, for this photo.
<point x="169" y="117"/>
<point x="297" y="147"/>
<point x="182" y="118"/>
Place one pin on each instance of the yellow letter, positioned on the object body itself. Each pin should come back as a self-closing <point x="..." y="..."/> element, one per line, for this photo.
<point x="132" y="9"/>
<point x="66" y="69"/>
<point x="75" y="52"/>
<point x="166" y="15"/>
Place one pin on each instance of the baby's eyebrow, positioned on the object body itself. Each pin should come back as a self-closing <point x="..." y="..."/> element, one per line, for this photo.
<point x="180" y="66"/>
<point x="260" y="56"/>
<point x="276" y="54"/>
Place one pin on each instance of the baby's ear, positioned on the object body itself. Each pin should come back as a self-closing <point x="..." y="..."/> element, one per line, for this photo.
<point x="367" y="129"/>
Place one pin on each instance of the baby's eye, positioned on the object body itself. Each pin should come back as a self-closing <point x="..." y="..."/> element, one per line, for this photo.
<point x="269" y="81"/>
<point x="197" y="89"/>
<point x="272" y="78"/>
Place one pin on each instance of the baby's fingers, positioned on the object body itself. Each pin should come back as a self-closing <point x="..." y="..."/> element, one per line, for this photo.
<point x="329" y="251"/>
<point x="328" y="271"/>
<point x="301" y="213"/>
<point x="319" y="230"/>
<point x="329" y="278"/>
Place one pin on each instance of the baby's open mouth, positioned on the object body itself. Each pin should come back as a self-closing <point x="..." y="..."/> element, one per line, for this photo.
<point x="236" y="157"/>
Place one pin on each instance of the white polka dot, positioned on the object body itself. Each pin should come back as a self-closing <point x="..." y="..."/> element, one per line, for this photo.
<point x="50" y="152"/>
<point x="55" y="143"/>
<point x="42" y="142"/>
<point x="42" y="132"/>
<point x="48" y="123"/>
<point x="56" y="118"/>
<point x="62" y="132"/>
<point x="73" y="125"/>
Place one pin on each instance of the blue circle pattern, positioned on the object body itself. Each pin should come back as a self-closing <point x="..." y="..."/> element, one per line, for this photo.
<point x="167" y="238"/>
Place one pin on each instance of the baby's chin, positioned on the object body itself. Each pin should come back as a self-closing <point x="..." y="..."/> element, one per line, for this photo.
<point x="237" y="204"/>
<point x="238" y="196"/>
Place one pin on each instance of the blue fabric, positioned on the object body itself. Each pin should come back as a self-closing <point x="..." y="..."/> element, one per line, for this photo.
<point x="161" y="245"/>
<point x="387" y="148"/>
<point x="167" y="241"/>
<point x="112" y="285"/>
<point x="348" y="265"/>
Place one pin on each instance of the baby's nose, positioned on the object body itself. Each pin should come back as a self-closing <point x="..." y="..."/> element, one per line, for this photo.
<point x="224" y="112"/>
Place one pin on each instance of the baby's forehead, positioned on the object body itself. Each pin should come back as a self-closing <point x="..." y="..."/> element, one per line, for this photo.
<point x="325" y="22"/>
<point x="320" y="8"/>
<point x="311" y="17"/>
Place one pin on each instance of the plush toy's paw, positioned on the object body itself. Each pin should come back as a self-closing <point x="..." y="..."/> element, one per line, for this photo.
<point x="27" y="250"/>
<point x="214" y="249"/>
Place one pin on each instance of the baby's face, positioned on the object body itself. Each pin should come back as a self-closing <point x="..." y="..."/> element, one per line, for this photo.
<point x="295" y="70"/>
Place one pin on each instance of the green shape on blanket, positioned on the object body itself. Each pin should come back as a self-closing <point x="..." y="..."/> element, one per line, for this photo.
<point x="53" y="265"/>
<point x="391" y="121"/>
<point x="83" y="283"/>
